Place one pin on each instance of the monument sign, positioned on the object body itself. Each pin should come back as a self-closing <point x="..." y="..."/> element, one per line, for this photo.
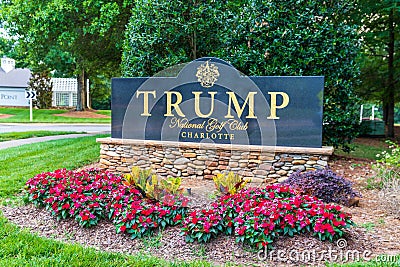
<point x="210" y="101"/>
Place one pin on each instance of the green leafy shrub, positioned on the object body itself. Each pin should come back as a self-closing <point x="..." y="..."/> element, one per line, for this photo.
<point x="274" y="38"/>
<point x="172" y="185"/>
<point x="323" y="184"/>
<point x="138" y="178"/>
<point x="229" y="183"/>
<point x="150" y="185"/>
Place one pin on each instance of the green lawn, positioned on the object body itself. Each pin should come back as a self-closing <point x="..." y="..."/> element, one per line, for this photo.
<point x="104" y="112"/>
<point x="18" y="164"/>
<point x="30" y="134"/>
<point x="20" y="248"/>
<point x="46" y="115"/>
<point x="362" y="151"/>
<point x="394" y="261"/>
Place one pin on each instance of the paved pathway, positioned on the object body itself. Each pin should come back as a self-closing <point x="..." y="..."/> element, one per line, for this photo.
<point x="24" y="127"/>
<point x="20" y="142"/>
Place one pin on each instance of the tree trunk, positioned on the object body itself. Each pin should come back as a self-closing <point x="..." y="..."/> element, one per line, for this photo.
<point x="388" y="104"/>
<point x="81" y="93"/>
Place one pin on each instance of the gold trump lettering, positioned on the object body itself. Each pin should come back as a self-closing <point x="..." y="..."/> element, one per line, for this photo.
<point x="175" y="105"/>
<point x="274" y="107"/>
<point x="233" y="103"/>
<point x="197" y="104"/>
<point x="145" y="101"/>
<point x="239" y="110"/>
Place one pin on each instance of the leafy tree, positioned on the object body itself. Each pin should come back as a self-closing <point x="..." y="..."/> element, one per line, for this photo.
<point x="165" y="33"/>
<point x="5" y="46"/>
<point x="75" y="37"/>
<point x="101" y="97"/>
<point x="258" y="37"/>
<point x="380" y="59"/>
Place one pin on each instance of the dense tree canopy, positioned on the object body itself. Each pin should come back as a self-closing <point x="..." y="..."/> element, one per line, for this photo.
<point x="72" y="37"/>
<point x="380" y="58"/>
<point x="258" y="37"/>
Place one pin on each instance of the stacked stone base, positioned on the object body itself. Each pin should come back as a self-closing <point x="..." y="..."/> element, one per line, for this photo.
<point x="260" y="164"/>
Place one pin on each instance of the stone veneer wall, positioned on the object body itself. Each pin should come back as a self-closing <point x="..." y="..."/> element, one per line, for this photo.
<point x="204" y="160"/>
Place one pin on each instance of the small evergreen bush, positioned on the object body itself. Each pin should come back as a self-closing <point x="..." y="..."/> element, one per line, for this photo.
<point x="323" y="184"/>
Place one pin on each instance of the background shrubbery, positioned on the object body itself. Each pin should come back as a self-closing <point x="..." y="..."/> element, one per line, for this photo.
<point x="258" y="38"/>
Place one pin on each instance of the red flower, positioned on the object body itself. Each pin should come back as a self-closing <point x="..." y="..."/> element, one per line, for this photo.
<point x="195" y="220"/>
<point x="65" y="206"/>
<point x="177" y="218"/>
<point x="122" y="228"/>
<point x="241" y="230"/>
<point x="288" y="207"/>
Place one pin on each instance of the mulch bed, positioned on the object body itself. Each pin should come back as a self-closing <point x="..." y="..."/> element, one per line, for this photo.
<point x="5" y="116"/>
<point x="376" y="233"/>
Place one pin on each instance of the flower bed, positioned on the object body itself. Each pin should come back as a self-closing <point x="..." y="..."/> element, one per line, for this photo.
<point x="91" y="195"/>
<point x="255" y="216"/>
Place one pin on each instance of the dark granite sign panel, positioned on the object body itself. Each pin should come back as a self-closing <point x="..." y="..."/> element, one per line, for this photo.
<point x="210" y="101"/>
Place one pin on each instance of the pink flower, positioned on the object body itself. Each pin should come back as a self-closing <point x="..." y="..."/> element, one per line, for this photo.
<point x="207" y="227"/>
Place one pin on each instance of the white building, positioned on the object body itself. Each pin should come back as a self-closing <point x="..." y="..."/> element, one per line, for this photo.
<point x="14" y="83"/>
<point x="65" y="92"/>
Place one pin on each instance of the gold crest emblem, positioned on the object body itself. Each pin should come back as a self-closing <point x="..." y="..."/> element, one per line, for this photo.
<point x="207" y="74"/>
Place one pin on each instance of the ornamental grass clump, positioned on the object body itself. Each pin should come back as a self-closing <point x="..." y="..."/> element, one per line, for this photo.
<point x="257" y="216"/>
<point x="323" y="184"/>
<point x="387" y="165"/>
<point x="387" y="169"/>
